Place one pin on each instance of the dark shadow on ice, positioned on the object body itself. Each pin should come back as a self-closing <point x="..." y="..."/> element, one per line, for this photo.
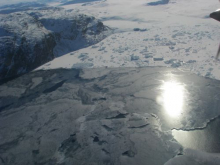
<point x="55" y="87"/>
<point x="2" y="108"/>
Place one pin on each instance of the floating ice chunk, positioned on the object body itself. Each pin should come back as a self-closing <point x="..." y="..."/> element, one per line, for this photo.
<point x="82" y="65"/>
<point x="144" y="51"/>
<point x="170" y="43"/>
<point x="133" y="58"/>
<point x="191" y="61"/>
<point x="83" y="56"/>
<point x="101" y="49"/>
<point x="188" y="49"/>
<point x="195" y="51"/>
<point x="161" y="2"/>
<point x="171" y="47"/>
<point x="158" y="59"/>
<point x="148" y="56"/>
<point x="94" y="46"/>
<point x="138" y="29"/>
<point x="174" y="63"/>
<point x="208" y="74"/>
<point x="143" y="30"/>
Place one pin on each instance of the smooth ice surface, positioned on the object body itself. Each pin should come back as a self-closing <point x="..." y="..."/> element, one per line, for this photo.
<point x="203" y="139"/>
<point x="106" y="116"/>
<point x="195" y="157"/>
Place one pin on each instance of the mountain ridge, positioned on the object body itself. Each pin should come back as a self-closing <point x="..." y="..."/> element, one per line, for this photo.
<point x="31" y="38"/>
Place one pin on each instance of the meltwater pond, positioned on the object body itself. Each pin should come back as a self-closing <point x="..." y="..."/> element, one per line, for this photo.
<point x="109" y="116"/>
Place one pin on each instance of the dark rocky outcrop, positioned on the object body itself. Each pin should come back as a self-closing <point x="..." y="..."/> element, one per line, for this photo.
<point x="31" y="38"/>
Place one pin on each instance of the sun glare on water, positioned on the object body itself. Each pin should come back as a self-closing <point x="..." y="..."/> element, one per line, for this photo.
<point x="173" y="98"/>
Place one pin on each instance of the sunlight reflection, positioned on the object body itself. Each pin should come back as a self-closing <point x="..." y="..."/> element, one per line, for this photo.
<point x="173" y="98"/>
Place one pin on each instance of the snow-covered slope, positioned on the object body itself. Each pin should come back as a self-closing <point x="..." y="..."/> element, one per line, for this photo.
<point x="72" y="31"/>
<point x="31" y="38"/>
<point x="24" y="44"/>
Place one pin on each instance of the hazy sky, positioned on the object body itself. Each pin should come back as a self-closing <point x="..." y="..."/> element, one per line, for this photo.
<point x="5" y="2"/>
